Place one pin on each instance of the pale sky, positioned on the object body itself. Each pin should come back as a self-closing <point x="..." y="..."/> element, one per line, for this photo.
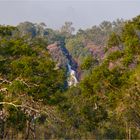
<point x="83" y="13"/>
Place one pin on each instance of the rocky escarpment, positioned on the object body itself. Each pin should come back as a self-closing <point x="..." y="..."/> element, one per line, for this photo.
<point x="57" y="55"/>
<point x="63" y="59"/>
<point x="61" y="55"/>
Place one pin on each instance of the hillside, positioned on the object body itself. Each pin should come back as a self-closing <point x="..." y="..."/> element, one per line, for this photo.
<point x="59" y="85"/>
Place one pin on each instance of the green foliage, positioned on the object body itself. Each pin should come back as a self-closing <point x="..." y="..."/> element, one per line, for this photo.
<point x="76" y="48"/>
<point x="104" y="105"/>
<point x="100" y="34"/>
<point x="113" y="40"/>
<point x="28" y="78"/>
<point x="115" y="55"/>
<point x="130" y="37"/>
<point x="16" y="117"/>
<point x="107" y="98"/>
<point x="128" y="59"/>
<point x="67" y="29"/>
<point x="88" y="63"/>
<point x="7" y="30"/>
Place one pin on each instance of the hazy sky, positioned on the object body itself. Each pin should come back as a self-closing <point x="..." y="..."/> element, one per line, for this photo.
<point x="83" y="13"/>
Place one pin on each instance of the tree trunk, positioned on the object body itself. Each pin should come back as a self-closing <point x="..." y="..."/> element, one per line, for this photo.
<point x="126" y="131"/>
<point x="2" y="128"/>
<point x="33" y="130"/>
<point x="129" y="133"/>
<point x="27" y="130"/>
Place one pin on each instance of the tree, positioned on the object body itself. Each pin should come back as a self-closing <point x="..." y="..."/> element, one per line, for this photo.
<point x="29" y="83"/>
<point x="114" y="40"/>
<point x="67" y="29"/>
<point x="40" y="29"/>
<point x="27" y="28"/>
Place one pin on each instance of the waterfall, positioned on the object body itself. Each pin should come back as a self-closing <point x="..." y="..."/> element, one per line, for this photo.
<point x="72" y="80"/>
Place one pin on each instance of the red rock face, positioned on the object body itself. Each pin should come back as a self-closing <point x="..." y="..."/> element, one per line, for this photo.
<point x="61" y="55"/>
<point x="111" y="65"/>
<point x="57" y="54"/>
<point x="52" y="46"/>
<point x="97" y="51"/>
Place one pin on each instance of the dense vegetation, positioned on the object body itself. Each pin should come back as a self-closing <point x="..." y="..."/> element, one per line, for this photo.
<point x="35" y="102"/>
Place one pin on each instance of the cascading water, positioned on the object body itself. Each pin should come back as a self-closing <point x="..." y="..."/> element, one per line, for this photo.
<point x="61" y="55"/>
<point x="72" y="80"/>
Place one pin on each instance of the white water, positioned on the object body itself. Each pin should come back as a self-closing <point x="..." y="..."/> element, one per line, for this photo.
<point x="72" y="80"/>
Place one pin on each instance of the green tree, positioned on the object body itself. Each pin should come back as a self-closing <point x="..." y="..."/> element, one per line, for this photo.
<point x="67" y="29"/>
